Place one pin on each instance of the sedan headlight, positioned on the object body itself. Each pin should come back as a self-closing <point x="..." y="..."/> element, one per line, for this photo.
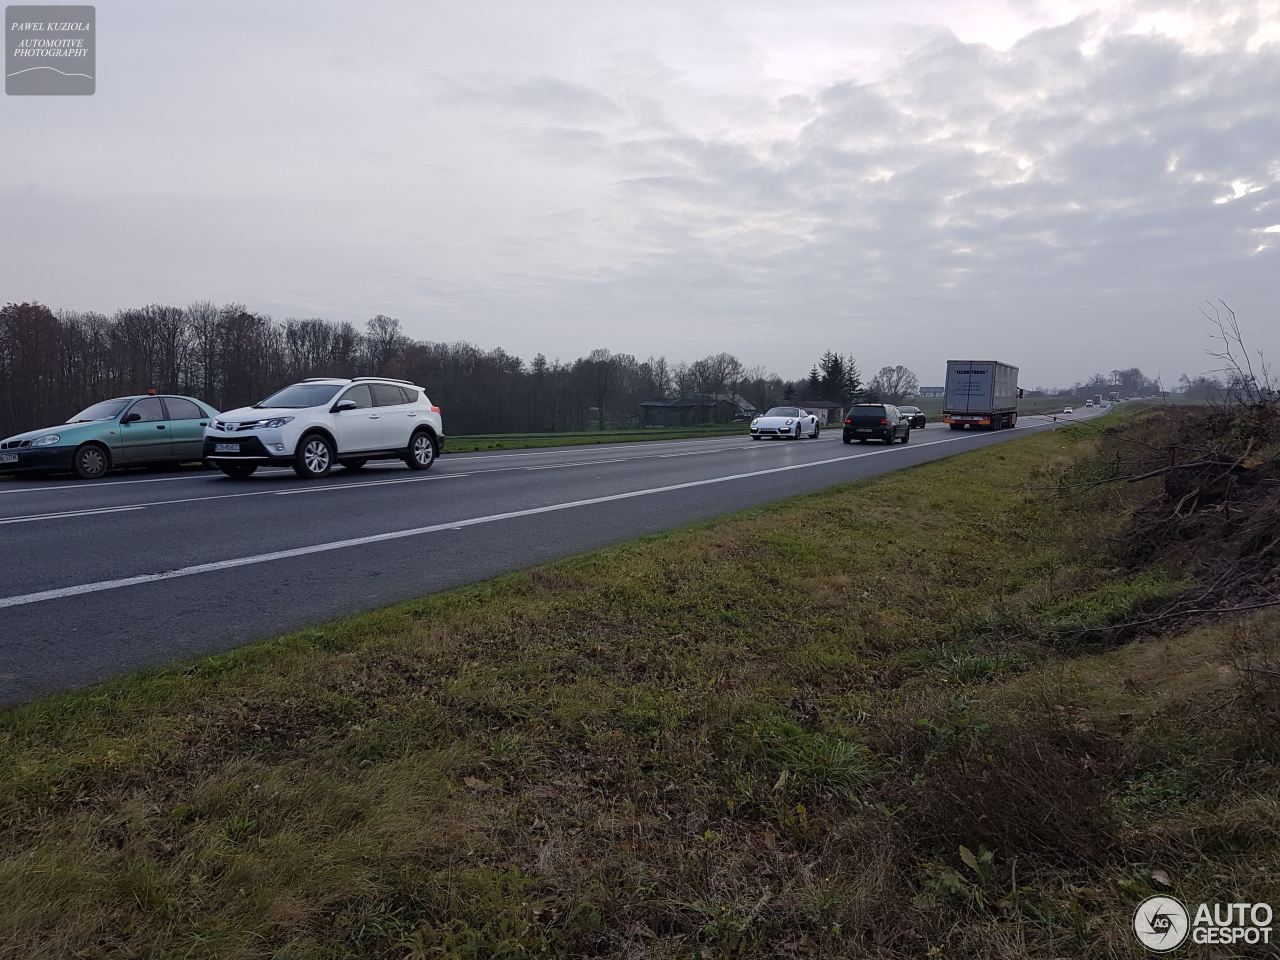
<point x="273" y="423"/>
<point x="48" y="440"/>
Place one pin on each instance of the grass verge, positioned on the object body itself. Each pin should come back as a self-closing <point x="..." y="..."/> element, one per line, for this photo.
<point x="522" y="441"/>
<point x="836" y="726"/>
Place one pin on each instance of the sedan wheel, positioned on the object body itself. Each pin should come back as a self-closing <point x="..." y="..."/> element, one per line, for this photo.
<point x="314" y="458"/>
<point x="91" y="462"/>
<point x="422" y="452"/>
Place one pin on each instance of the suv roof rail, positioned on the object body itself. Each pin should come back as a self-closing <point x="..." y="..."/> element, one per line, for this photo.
<point x="318" y="379"/>
<point x="409" y="383"/>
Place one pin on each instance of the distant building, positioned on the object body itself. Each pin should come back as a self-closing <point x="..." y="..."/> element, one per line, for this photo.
<point x="695" y="409"/>
<point x="828" y="411"/>
<point x="931" y="392"/>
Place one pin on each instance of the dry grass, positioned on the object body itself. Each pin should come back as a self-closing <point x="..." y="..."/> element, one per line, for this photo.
<point x="736" y="740"/>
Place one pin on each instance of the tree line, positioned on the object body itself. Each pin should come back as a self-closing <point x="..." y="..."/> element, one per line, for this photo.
<point x="53" y="363"/>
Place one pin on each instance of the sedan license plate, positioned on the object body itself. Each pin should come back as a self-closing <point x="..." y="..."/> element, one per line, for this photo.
<point x="226" y="448"/>
<point x="8" y="458"/>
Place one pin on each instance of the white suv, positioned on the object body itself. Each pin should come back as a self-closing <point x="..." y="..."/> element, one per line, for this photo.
<point x="314" y="424"/>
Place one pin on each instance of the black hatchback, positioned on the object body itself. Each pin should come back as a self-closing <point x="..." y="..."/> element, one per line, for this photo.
<point x="881" y="421"/>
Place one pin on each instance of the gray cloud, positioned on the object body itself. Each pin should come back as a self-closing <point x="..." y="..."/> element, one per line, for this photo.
<point x="1056" y="186"/>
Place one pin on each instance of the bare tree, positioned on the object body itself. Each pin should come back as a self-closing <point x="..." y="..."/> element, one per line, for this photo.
<point x="895" y="384"/>
<point x="1243" y="383"/>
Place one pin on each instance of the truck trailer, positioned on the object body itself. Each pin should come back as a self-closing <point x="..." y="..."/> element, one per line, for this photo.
<point x="982" y="394"/>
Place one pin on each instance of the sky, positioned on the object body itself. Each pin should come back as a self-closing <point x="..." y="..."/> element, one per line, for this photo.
<point x="1060" y="186"/>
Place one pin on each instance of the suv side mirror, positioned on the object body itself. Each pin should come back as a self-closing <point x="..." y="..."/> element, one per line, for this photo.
<point x="344" y="405"/>
<point x="131" y="418"/>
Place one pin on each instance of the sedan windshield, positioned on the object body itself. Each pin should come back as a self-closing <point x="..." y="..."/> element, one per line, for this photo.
<point x="783" y="412"/>
<point x="106" y="410"/>
<point x="301" y="395"/>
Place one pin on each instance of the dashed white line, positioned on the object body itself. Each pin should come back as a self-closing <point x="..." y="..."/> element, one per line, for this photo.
<point x="68" y="514"/>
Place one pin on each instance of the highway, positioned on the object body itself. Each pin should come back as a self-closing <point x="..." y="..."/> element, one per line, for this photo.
<point x="101" y="578"/>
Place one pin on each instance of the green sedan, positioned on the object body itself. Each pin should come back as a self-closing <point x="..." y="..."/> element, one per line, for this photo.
<point x="125" y="432"/>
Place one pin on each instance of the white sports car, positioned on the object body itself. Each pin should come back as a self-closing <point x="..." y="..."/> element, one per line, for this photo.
<point x="790" y="422"/>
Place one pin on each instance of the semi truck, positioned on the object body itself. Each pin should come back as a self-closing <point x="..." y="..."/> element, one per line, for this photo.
<point x="982" y="394"/>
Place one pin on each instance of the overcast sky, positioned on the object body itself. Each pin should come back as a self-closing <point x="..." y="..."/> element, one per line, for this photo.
<point x="1058" y="185"/>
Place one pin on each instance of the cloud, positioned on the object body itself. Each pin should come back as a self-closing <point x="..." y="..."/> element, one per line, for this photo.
<point x="1052" y="184"/>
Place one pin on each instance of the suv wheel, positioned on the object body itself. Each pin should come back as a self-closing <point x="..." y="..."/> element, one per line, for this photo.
<point x="91" y="462"/>
<point x="314" y="457"/>
<point x="422" y="451"/>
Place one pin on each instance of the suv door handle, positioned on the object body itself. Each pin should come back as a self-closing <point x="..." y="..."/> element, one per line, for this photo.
<point x="375" y="416"/>
<point x="412" y="414"/>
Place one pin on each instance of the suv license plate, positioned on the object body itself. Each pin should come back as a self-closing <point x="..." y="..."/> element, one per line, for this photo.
<point x="226" y="448"/>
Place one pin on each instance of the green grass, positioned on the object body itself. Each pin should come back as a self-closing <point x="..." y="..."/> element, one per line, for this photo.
<point x="738" y="739"/>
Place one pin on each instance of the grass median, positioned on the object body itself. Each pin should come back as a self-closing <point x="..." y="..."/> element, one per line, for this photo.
<point x="861" y="722"/>
<point x="524" y="441"/>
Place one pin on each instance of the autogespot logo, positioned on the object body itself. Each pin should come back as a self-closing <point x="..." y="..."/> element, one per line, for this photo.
<point x="1161" y="923"/>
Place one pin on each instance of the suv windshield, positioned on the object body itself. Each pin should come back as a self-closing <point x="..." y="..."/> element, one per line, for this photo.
<point x="301" y="395"/>
<point x="783" y="412"/>
<point x="106" y="410"/>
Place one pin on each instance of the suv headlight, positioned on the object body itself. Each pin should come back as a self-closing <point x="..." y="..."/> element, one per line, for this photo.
<point x="273" y="423"/>
<point x="48" y="440"/>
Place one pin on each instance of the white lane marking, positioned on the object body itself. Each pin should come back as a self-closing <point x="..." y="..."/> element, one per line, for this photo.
<point x="95" y="484"/>
<point x="70" y="513"/>
<point x="370" y="483"/>
<point x="94" y="511"/>
<point x="576" y="463"/>
<point x="217" y="565"/>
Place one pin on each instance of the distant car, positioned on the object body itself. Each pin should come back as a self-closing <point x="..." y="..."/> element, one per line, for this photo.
<point x="314" y="424"/>
<point x="1068" y="410"/>
<point x="789" y="422"/>
<point x="122" y="432"/>
<point x="881" y="421"/>
<point x="1088" y="403"/>
<point x="915" y="415"/>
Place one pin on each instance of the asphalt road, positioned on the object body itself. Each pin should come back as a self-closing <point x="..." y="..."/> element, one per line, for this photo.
<point x="101" y="578"/>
